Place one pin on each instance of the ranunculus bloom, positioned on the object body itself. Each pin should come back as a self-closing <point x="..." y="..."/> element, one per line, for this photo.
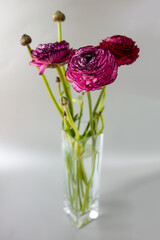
<point x="51" y="55"/>
<point x="90" y="68"/>
<point x="123" y="48"/>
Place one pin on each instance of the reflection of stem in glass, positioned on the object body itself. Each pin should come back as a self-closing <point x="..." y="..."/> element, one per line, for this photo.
<point x="79" y="184"/>
<point x="86" y="196"/>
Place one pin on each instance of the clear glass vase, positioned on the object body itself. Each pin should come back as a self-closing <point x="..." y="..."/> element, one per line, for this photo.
<point x="82" y="165"/>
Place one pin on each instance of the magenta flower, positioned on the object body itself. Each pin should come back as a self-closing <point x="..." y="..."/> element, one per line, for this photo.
<point x="90" y="68"/>
<point x="123" y="48"/>
<point x="51" y="55"/>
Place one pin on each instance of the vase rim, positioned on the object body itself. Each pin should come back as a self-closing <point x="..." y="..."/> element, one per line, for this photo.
<point x="81" y="139"/>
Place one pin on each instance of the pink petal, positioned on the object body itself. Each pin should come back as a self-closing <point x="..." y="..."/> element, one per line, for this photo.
<point x="33" y="63"/>
<point x="76" y="87"/>
<point x="42" y="69"/>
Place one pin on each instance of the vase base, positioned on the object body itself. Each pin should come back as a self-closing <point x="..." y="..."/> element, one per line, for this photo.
<point x="82" y="220"/>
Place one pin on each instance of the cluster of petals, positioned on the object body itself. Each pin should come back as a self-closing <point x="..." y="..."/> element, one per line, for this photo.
<point x="90" y="68"/>
<point x="123" y="48"/>
<point x="51" y="55"/>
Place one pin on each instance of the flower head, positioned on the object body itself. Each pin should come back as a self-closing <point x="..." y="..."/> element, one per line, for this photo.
<point x="123" y="48"/>
<point x="51" y="55"/>
<point x="90" y="68"/>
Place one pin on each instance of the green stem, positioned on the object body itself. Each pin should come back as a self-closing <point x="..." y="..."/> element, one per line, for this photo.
<point x="84" y="175"/>
<point x="81" y="165"/>
<point x="66" y="124"/>
<point x="59" y="90"/>
<point x="102" y="101"/>
<point x="80" y="103"/>
<point x="95" y="108"/>
<point x="59" y="32"/>
<point x="60" y="95"/>
<point x="81" y="112"/>
<point x="96" y="120"/>
<point x="70" y="195"/>
<point x="79" y="180"/>
<point x="90" y="111"/>
<point x="82" y="189"/>
<point x="85" y="201"/>
<point x="99" y="99"/>
<point x="70" y="119"/>
<point x="69" y="179"/>
<point x="100" y="112"/>
<point x="65" y="82"/>
<point x="52" y="96"/>
<point x="29" y="50"/>
<point x="64" y="71"/>
<point x="48" y="87"/>
<point x="65" y="89"/>
<point x="100" y="131"/>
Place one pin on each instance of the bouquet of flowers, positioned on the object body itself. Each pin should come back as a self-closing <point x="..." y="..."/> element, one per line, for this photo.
<point x="88" y="69"/>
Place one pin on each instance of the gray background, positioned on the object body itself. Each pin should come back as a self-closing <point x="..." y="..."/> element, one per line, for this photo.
<point x="30" y="140"/>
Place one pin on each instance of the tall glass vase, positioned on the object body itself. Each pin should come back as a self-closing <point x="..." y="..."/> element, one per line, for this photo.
<point x="82" y="165"/>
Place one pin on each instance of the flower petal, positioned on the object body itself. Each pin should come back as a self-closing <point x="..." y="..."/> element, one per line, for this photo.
<point x="76" y="87"/>
<point x="42" y="69"/>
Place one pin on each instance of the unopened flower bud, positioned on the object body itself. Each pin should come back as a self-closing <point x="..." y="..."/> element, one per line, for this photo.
<point x="57" y="79"/>
<point x="58" y="17"/>
<point x="99" y="113"/>
<point x="25" y="40"/>
<point x="64" y="101"/>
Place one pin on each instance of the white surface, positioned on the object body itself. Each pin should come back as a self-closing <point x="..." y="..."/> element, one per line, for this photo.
<point x="31" y="202"/>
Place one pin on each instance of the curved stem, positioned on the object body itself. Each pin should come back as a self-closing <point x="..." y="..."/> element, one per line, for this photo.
<point x="99" y="99"/>
<point x="85" y="201"/>
<point x="101" y="103"/>
<point x="90" y="110"/>
<point x="100" y="131"/>
<point x="72" y="122"/>
<point x="95" y="108"/>
<point x="51" y="95"/>
<point x="81" y="112"/>
<point x="76" y="101"/>
<point x="48" y="87"/>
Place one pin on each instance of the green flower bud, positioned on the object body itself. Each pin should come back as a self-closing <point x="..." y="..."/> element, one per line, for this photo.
<point x="99" y="113"/>
<point x="58" y="17"/>
<point x="64" y="101"/>
<point x="25" y="40"/>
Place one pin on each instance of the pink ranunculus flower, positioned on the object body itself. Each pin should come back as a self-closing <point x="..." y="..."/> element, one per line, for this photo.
<point x="123" y="48"/>
<point x="51" y="55"/>
<point x="90" y="68"/>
